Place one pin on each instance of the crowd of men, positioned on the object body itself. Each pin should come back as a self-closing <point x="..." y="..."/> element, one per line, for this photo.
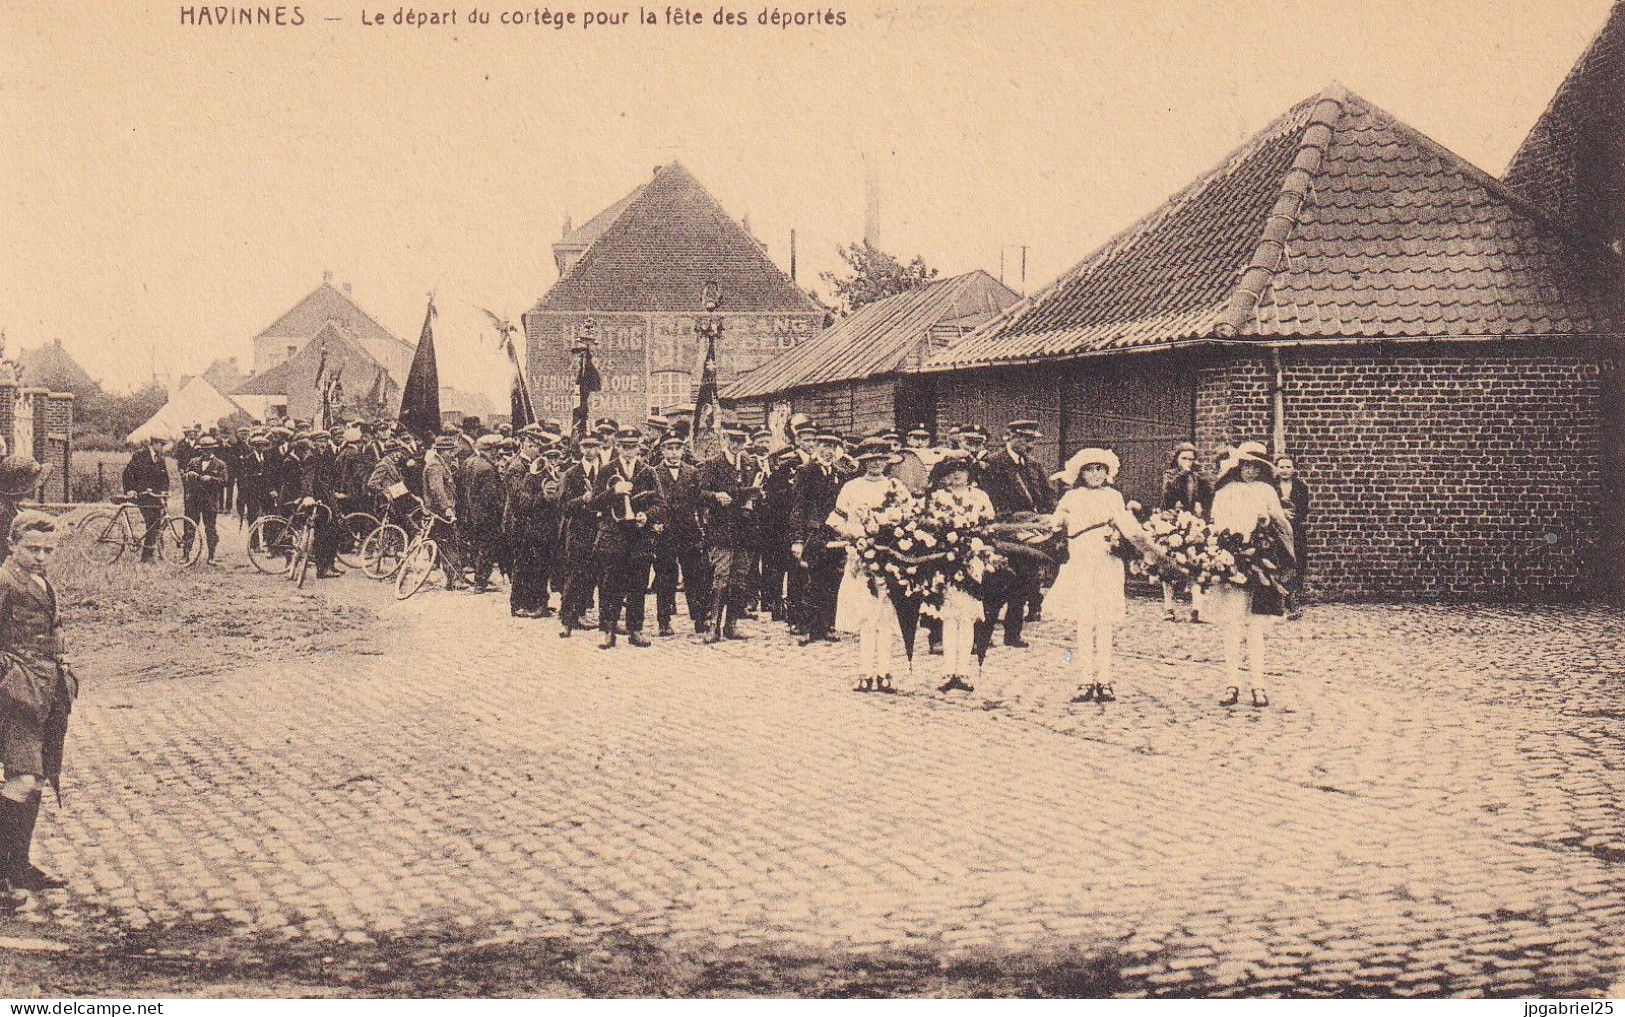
<point x="595" y="521"/>
<point x="601" y="520"/>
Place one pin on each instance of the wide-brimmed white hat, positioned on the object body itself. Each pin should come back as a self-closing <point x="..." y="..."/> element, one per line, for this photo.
<point x="1089" y="457"/>
<point x="1246" y="452"/>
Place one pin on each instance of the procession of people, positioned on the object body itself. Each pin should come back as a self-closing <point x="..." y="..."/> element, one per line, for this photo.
<point x="585" y="527"/>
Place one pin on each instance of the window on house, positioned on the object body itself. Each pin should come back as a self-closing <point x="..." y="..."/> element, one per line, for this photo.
<point x="668" y="389"/>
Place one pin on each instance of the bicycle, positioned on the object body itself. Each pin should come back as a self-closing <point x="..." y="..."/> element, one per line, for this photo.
<point x="110" y="533"/>
<point x="422" y="557"/>
<point x="282" y="545"/>
<point x="386" y="546"/>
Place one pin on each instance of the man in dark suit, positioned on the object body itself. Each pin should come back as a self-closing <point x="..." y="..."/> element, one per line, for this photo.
<point x="782" y="580"/>
<point x="677" y="539"/>
<point x="1018" y="489"/>
<point x="530" y="522"/>
<point x="624" y="496"/>
<point x="1295" y="502"/>
<point x="817" y="486"/>
<point x="257" y="470"/>
<point x="726" y="501"/>
<point x="482" y="503"/>
<point x="148" y="472"/>
<point x="578" y="529"/>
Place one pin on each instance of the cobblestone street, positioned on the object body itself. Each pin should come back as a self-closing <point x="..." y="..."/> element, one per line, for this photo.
<point x="1430" y="805"/>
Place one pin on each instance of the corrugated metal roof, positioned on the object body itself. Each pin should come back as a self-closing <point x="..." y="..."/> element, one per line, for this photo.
<point x="1337" y="221"/>
<point x="877" y="339"/>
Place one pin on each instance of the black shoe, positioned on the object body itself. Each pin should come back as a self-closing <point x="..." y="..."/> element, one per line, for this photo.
<point x="711" y="638"/>
<point x="864" y="685"/>
<point x="830" y="637"/>
<point x="934" y="649"/>
<point x="665" y="630"/>
<point x="1104" y="694"/>
<point x="883" y="684"/>
<point x="1260" y="699"/>
<point x="608" y="642"/>
<point x="699" y="626"/>
<point x="1086" y="694"/>
<point x="639" y="640"/>
<point x="1232" y="696"/>
<point x="1017" y="643"/>
<point x="956" y="681"/>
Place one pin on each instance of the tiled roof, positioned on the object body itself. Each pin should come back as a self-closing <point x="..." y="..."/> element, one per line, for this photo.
<point x="1337" y="221"/>
<point x="50" y="366"/>
<point x="1570" y="164"/>
<point x="324" y="304"/>
<point x="666" y="243"/>
<point x="298" y="372"/>
<point x="878" y="339"/>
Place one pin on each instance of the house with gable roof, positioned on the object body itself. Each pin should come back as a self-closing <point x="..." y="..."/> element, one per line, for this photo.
<point x="286" y="356"/>
<point x="1438" y="352"/>
<point x="630" y="279"/>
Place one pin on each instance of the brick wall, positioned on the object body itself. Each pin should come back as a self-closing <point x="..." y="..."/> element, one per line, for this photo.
<point x="1445" y="472"/>
<point x="58" y="445"/>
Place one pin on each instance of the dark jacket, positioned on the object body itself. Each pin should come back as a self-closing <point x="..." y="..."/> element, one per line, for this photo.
<point x="817" y="488"/>
<point x="206" y="477"/>
<point x="1014" y="488"/>
<point x="530" y="516"/>
<point x="731" y="525"/>
<point x="578" y="517"/>
<point x="483" y="497"/>
<point x="680" y="506"/>
<point x="1187" y="491"/>
<point x="146" y="473"/>
<point x="618" y="534"/>
<point x="1295" y="501"/>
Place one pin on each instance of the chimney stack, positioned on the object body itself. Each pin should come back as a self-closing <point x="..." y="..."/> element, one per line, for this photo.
<point x="871" y="203"/>
<point x="346" y="289"/>
<point x="327" y="277"/>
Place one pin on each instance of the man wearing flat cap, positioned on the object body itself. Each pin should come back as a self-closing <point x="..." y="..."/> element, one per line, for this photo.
<point x="146" y="480"/>
<point x="530" y="523"/>
<point x="678" y="544"/>
<point x="783" y="580"/>
<point x="482" y="510"/>
<point x="728" y="487"/>
<point x="578" y="531"/>
<point x="205" y="478"/>
<point x="1019" y="491"/>
<point x="625" y="497"/>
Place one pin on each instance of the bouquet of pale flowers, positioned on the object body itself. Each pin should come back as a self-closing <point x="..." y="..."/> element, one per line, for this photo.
<point x="1184" y="548"/>
<point x="1259" y="559"/>
<point x="915" y="548"/>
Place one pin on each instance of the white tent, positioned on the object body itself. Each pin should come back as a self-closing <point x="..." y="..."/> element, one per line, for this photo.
<point x="197" y="403"/>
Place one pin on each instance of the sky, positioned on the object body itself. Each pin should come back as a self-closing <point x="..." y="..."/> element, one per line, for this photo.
<point x="167" y="190"/>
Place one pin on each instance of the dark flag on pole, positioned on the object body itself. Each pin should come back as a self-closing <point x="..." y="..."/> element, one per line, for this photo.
<point x="588" y="381"/>
<point x="420" y="399"/>
<point x="707" y="406"/>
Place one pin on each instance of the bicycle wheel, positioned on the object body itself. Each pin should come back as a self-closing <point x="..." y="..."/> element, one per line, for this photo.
<point x="102" y="537"/>
<point x="357" y="527"/>
<point x="179" y="542"/>
<point x="382" y="552"/>
<point x="415" y="569"/>
<point x="305" y="539"/>
<point x="270" y="545"/>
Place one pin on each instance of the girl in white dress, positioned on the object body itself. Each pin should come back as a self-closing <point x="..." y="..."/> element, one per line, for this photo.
<point x="1243" y="497"/>
<point x="860" y="608"/>
<point x="950" y="483"/>
<point x="1089" y="589"/>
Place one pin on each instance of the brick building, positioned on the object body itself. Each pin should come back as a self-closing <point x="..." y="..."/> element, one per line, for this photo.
<point x="1438" y="353"/>
<point x="851" y="376"/>
<point x="636" y="271"/>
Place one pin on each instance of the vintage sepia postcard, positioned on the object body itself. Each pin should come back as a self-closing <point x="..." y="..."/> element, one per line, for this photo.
<point x="888" y="498"/>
